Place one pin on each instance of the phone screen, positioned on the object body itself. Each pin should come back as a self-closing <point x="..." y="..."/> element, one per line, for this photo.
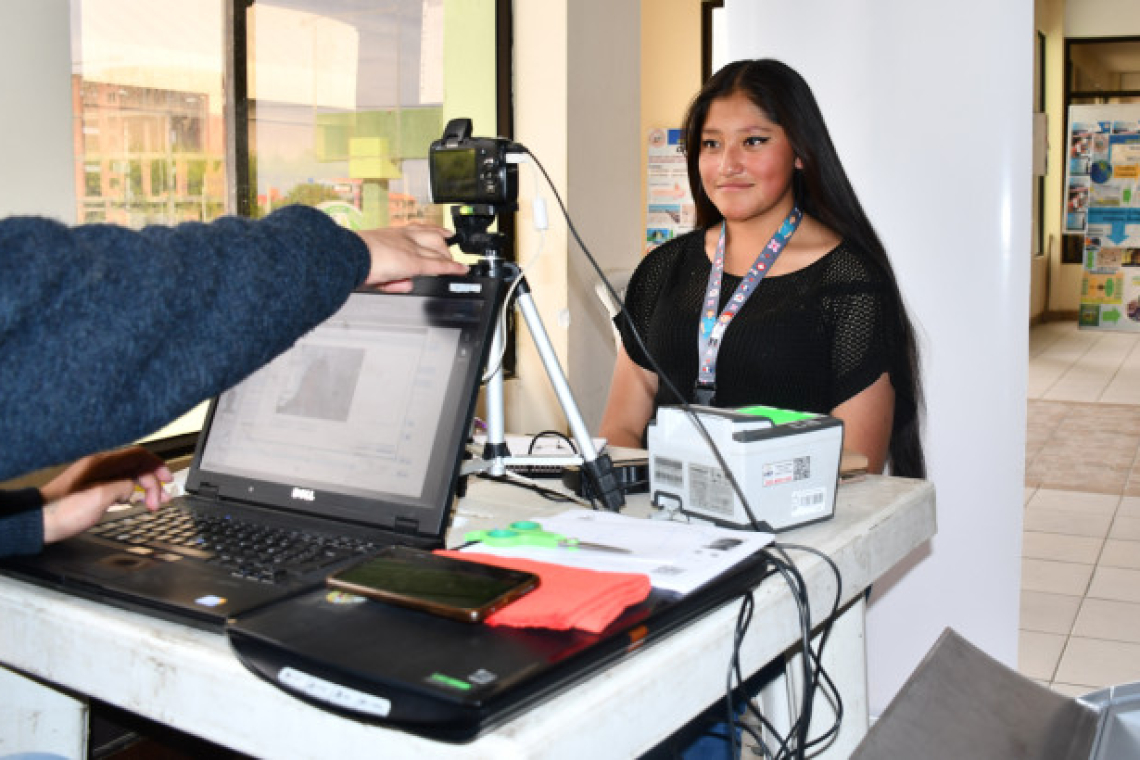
<point x="444" y="586"/>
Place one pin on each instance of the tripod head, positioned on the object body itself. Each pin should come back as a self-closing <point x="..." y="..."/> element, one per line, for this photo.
<point x="471" y="222"/>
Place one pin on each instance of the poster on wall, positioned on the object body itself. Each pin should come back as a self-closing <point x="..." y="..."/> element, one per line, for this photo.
<point x="1102" y="205"/>
<point x="670" y="209"/>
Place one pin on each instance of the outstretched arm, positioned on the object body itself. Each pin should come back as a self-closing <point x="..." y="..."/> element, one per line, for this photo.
<point x="109" y="333"/>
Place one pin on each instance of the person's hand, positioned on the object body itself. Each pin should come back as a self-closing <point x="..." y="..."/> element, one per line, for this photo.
<point x="79" y="495"/>
<point x="401" y="253"/>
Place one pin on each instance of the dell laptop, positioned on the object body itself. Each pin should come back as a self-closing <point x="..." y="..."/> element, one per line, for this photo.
<point x="351" y="440"/>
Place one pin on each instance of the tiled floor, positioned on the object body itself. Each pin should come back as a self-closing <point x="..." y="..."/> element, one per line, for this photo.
<point x="1080" y="588"/>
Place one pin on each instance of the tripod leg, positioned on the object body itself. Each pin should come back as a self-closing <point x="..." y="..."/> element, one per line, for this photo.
<point x="598" y="467"/>
<point x="496" y="446"/>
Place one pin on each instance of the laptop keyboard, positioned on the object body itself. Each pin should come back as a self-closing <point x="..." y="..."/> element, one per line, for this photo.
<point x="247" y="549"/>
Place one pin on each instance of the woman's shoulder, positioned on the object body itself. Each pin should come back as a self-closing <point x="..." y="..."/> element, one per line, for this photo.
<point x="846" y="262"/>
<point x="671" y="252"/>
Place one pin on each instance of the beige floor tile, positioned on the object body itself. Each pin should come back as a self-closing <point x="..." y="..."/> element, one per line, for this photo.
<point x="1059" y="472"/>
<point x="1061" y="547"/>
<point x="1129" y="507"/>
<point x="1082" y="508"/>
<point x="1115" y="583"/>
<point x="1106" y="619"/>
<point x="1050" y="577"/>
<point x="1126" y="528"/>
<point x="1039" y="654"/>
<point x="1048" y="613"/>
<point x="1085" y="423"/>
<point x="1075" y="501"/>
<point x="1117" y="553"/>
<point x="1098" y="663"/>
<point x="1065" y="522"/>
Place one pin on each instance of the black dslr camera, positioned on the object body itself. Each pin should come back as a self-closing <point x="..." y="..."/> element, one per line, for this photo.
<point x="466" y="169"/>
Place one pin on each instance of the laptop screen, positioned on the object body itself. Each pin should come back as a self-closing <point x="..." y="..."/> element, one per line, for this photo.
<point x="365" y="417"/>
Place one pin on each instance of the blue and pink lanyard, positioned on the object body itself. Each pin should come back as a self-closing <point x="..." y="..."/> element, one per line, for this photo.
<point x="713" y="326"/>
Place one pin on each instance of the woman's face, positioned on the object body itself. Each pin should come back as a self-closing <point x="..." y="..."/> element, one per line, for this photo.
<point x="746" y="161"/>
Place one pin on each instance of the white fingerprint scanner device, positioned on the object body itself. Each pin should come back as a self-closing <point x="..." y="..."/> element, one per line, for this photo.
<point x="786" y="463"/>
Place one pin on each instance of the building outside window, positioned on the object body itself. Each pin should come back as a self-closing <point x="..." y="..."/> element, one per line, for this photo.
<point x="339" y="102"/>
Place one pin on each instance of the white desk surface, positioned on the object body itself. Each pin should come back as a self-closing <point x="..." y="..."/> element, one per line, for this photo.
<point x="190" y="679"/>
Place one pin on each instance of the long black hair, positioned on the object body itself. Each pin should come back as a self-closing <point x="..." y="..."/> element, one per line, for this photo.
<point x="822" y="191"/>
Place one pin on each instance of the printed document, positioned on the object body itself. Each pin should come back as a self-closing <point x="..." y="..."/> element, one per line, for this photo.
<point x="676" y="556"/>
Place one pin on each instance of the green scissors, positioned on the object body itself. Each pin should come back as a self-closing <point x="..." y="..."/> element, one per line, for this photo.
<point x="530" y="533"/>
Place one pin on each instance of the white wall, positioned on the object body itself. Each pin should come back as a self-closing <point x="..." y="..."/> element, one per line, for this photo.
<point x="36" y="153"/>
<point x="604" y="180"/>
<point x="540" y="83"/>
<point x="1053" y="292"/>
<point x="576" y="108"/>
<point x="1102" y="18"/>
<point x="930" y="107"/>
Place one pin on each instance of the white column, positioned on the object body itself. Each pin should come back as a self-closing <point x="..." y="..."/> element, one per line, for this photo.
<point x="930" y="107"/>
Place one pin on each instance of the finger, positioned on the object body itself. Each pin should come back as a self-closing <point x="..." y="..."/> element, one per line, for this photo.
<point x="151" y="489"/>
<point x="435" y="240"/>
<point x="164" y="474"/>
<point x="396" y="286"/>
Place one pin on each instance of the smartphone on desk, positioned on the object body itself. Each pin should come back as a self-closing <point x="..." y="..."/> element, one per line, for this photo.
<point x="452" y="588"/>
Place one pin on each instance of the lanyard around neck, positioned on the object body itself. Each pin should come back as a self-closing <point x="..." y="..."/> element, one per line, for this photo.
<point x="712" y="325"/>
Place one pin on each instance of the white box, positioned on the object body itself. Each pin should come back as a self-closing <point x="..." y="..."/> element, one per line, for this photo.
<point x="785" y="462"/>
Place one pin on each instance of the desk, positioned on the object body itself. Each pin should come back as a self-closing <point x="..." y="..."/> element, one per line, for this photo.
<point x="190" y="679"/>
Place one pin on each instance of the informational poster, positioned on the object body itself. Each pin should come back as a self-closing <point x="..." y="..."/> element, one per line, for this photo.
<point x="670" y="204"/>
<point x="1103" y="206"/>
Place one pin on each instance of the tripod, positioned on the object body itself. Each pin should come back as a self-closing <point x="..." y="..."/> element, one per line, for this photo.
<point x="471" y="223"/>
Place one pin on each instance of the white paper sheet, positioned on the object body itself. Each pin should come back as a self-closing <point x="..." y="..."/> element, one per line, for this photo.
<point x="676" y="556"/>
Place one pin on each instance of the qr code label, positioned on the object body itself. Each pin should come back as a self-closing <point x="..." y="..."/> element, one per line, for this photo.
<point x="787" y="471"/>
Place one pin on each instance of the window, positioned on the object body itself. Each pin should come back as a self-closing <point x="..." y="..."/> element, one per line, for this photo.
<point x="333" y="103"/>
<point x="191" y="109"/>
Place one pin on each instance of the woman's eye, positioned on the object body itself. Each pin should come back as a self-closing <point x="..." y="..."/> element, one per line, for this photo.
<point x="754" y="141"/>
<point x="709" y="145"/>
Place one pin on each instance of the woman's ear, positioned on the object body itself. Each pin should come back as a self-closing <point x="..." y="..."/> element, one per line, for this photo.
<point x="799" y="164"/>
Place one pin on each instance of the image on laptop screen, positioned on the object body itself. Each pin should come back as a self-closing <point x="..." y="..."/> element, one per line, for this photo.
<point x="371" y="405"/>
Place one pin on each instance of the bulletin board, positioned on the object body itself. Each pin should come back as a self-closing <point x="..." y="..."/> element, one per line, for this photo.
<point x="670" y="210"/>
<point x="1102" y="205"/>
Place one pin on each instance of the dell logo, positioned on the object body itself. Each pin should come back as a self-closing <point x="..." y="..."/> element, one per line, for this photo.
<point x="304" y="493"/>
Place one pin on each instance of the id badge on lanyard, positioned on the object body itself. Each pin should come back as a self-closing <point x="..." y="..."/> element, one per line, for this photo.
<point x="713" y="326"/>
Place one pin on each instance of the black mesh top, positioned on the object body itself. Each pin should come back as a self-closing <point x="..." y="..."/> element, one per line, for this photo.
<point x="806" y="341"/>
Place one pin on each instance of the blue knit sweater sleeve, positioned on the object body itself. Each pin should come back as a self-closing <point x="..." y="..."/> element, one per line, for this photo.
<point x="22" y="533"/>
<point x="107" y="333"/>
<point x="21" y="522"/>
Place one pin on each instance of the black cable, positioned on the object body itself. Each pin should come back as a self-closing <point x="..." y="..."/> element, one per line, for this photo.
<point x="797" y="734"/>
<point x="549" y="494"/>
<point x="830" y="690"/>
<point x="551" y="434"/>
<point x="743" y="619"/>
<point x="662" y="377"/>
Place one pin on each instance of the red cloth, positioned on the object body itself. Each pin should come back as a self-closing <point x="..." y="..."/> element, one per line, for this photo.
<point x="566" y="597"/>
